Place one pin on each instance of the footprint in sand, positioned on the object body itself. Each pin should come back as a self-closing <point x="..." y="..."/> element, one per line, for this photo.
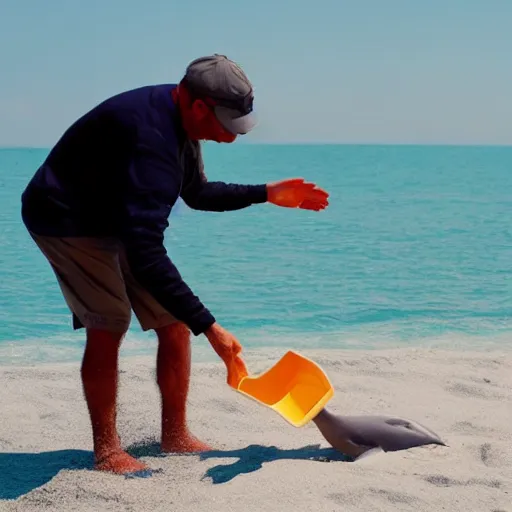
<point x="394" y="497"/>
<point x="485" y="453"/>
<point x="468" y="391"/>
<point x="466" y="427"/>
<point x="494" y="457"/>
<point x="444" y="481"/>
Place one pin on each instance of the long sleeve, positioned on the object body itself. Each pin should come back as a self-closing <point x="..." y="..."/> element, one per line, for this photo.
<point x="216" y="196"/>
<point x="201" y="194"/>
<point x="151" y="188"/>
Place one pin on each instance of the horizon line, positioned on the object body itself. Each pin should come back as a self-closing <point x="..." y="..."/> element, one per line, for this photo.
<point x="327" y="143"/>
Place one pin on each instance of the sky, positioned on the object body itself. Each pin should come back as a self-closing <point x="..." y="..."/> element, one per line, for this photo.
<point x="324" y="71"/>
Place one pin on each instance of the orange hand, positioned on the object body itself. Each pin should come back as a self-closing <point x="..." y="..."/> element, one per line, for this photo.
<point x="228" y="348"/>
<point x="296" y="193"/>
<point x="236" y="371"/>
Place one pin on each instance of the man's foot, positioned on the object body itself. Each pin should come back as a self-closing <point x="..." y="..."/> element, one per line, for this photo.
<point x="183" y="443"/>
<point x="120" y="462"/>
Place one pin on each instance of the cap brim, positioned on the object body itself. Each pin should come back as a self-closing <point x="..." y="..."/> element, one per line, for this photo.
<point x="232" y="121"/>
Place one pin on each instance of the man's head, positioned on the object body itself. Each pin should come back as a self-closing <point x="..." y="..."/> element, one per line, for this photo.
<point x="216" y="100"/>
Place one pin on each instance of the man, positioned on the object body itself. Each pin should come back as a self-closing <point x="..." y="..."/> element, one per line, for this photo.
<point x="98" y="207"/>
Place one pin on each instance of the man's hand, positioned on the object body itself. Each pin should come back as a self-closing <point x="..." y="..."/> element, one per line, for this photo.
<point x="228" y="348"/>
<point x="296" y="193"/>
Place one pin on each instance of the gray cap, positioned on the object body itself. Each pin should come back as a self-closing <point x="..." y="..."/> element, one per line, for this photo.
<point x="223" y="81"/>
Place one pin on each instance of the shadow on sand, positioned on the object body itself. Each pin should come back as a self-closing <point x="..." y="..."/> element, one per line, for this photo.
<point x="250" y="459"/>
<point x="21" y="473"/>
<point x="253" y="457"/>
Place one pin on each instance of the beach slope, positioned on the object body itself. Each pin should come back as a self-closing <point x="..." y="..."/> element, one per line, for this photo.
<point x="261" y="463"/>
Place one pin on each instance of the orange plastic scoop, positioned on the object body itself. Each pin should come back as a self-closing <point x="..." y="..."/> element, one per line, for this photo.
<point x="295" y="387"/>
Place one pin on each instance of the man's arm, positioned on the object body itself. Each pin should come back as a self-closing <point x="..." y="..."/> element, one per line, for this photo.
<point x="153" y="183"/>
<point x="217" y="196"/>
<point x="201" y="194"/>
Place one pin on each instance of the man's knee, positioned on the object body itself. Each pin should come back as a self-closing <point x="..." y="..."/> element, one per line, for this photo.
<point x="104" y="339"/>
<point x="174" y="331"/>
<point x="101" y="353"/>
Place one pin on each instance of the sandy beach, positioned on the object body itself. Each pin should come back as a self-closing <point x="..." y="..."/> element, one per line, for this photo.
<point x="466" y="397"/>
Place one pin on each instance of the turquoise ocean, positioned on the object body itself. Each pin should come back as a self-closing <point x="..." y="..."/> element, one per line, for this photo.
<point x="415" y="249"/>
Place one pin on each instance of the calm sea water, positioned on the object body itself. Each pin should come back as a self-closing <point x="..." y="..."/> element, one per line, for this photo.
<point x="415" y="248"/>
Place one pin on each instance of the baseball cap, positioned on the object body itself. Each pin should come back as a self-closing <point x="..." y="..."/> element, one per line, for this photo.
<point x="220" y="79"/>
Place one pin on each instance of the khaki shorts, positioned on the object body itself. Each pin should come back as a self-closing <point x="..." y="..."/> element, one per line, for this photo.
<point x="97" y="285"/>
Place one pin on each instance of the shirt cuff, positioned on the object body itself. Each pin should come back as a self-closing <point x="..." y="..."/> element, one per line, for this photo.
<point x="201" y="322"/>
<point x="258" y="194"/>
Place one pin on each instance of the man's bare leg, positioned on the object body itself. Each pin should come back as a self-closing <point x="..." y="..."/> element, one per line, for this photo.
<point x="99" y="378"/>
<point x="173" y="378"/>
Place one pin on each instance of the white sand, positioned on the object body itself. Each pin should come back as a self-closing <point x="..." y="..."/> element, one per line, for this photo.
<point x="466" y="397"/>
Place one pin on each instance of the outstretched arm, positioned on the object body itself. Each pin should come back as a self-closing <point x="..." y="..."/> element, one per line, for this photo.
<point x="201" y="194"/>
<point x="214" y="196"/>
<point x="217" y="196"/>
<point x="221" y="197"/>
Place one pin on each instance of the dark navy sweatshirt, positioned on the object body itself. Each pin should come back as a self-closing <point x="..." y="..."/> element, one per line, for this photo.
<point x="117" y="172"/>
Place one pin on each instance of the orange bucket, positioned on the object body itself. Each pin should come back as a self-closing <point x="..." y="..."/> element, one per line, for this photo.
<point x="295" y="387"/>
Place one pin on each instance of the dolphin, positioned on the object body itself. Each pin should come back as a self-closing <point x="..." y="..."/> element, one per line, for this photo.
<point x="355" y="435"/>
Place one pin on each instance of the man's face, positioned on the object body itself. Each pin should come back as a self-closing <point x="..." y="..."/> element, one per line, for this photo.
<point x="200" y="121"/>
<point x="211" y="129"/>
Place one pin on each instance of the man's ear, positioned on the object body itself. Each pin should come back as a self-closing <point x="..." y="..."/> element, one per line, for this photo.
<point x="200" y="109"/>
